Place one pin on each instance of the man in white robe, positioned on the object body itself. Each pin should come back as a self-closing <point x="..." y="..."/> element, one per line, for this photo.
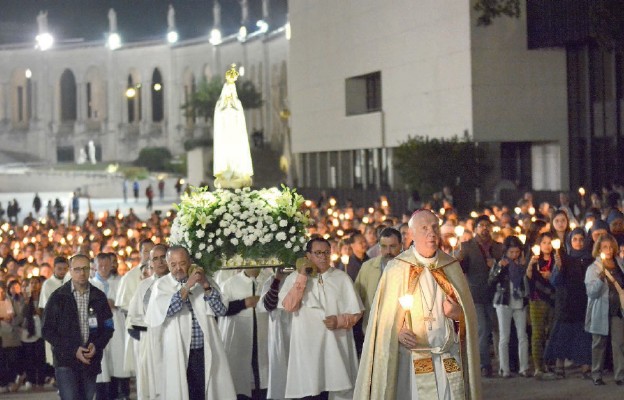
<point x="278" y="335"/>
<point x="61" y="266"/>
<point x="127" y="287"/>
<point x="431" y="350"/>
<point x="244" y="331"/>
<point x="322" y="361"/>
<point x="149" y="365"/>
<point x="194" y="362"/>
<point x="113" y="361"/>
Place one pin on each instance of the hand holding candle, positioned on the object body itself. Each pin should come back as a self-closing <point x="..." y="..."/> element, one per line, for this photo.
<point x="536" y="249"/>
<point x="406" y="302"/>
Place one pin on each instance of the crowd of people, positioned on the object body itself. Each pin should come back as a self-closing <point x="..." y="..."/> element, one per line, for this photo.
<point x="544" y="282"/>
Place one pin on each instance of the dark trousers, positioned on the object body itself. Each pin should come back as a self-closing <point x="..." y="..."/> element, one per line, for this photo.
<point x="75" y="384"/>
<point x="322" y="396"/>
<point x="117" y="388"/>
<point x="35" y="365"/>
<point x="195" y="375"/>
<point x="255" y="395"/>
<point x="10" y="364"/>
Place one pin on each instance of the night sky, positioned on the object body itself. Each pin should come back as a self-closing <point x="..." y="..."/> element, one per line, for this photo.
<point x="136" y="19"/>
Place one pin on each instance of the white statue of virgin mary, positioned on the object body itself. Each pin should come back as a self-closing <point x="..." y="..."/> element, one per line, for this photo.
<point x="232" y="158"/>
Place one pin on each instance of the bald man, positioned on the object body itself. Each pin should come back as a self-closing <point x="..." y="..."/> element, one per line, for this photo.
<point x="430" y="350"/>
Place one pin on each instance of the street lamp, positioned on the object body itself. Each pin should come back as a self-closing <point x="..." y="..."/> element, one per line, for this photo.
<point x="44" y="41"/>
<point x="215" y="37"/>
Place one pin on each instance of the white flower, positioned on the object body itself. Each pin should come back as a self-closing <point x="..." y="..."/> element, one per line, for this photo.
<point x="238" y="234"/>
<point x="283" y="223"/>
<point x="296" y="248"/>
<point x="273" y="227"/>
<point x="281" y="236"/>
<point x="234" y="241"/>
<point x="200" y="234"/>
<point x="288" y="245"/>
<point x="202" y="246"/>
<point x="292" y="230"/>
<point x="210" y="249"/>
<point x="219" y="242"/>
<point x="218" y="232"/>
<point x="198" y="255"/>
<point x="293" y="239"/>
<point x="302" y="239"/>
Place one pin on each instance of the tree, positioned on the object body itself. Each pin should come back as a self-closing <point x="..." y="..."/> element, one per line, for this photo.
<point x="491" y="9"/>
<point x="203" y="101"/>
<point x="427" y="164"/>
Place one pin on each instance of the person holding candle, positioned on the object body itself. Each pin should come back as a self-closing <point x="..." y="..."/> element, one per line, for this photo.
<point x="477" y="256"/>
<point x="568" y="339"/>
<point x="541" y="298"/>
<point x="604" y="309"/>
<point x="510" y="301"/>
<point x="560" y="228"/>
<point x="419" y="352"/>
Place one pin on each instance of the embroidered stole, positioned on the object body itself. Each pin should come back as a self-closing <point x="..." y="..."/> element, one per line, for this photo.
<point x="422" y="358"/>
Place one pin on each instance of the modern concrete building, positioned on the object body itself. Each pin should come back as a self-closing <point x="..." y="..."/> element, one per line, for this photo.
<point x="364" y="75"/>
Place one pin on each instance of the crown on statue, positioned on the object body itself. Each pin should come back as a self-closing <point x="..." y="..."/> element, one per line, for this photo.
<point x="232" y="74"/>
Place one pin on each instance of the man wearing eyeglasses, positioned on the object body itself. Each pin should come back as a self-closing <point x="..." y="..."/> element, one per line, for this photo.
<point x="78" y="323"/>
<point x="324" y="307"/>
<point x="477" y="256"/>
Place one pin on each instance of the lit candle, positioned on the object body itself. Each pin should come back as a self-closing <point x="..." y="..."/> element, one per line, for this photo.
<point x="442" y="211"/>
<point x="326" y="236"/>
<point x="474" y="214"/>
<point x="332" y="202"/>
<point x="344" y="259"/>
<point x="517" y="210"/>
<point x="406" y="302"/>
<point x="365" y="220"/>
<point x="556" y="244"/>
<point x="330" y="211"/>
<point x="384" y="203"/>
<point x="536" y="249"/>
<point x="522" y="238"/>
<point x="493" y="218"/>
<point x="459" y="231"/>
<point x="371" y="210"/>
<point x="582" y="191"/>
<point x="572" y="225"/>
<point x="453" y="241"/>
<point x="308" y="203"/>
<point x="588" y="225"/>
<point x="603" y="256"/>
<point x="339" y="232"/>
<point x="531" y="210"/>
<point x="336" y="223"/>
<point x="35" y="271"/>
<point x="334" y="257"/>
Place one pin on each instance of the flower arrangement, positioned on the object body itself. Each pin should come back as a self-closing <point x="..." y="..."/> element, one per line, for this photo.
<point x="242" y="227"/>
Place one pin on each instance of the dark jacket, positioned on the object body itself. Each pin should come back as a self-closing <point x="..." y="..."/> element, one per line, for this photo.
<point x="62" y="329"/>
<point x="499" y="279"/>
<point x="474" y="264"/>
<point x="570" y="291"/>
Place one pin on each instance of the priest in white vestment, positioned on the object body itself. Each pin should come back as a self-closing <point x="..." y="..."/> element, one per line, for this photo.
<point x="113" y="361"/>
<point x="61" y="266"/>
<point x="194" y="362"/>
<point x="278" y="335"/>
<point x="127" y="287"/>
<point x="149" y="365"/>
<point x="322" y="361"/>
<point x="431" y="350"/>
<point x="244" y="331"/>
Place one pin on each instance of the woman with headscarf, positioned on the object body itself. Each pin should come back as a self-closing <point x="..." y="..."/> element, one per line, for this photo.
<point x="568" y="338"/>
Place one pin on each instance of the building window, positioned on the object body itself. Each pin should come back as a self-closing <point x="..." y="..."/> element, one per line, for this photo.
<point x="363" y="93"/>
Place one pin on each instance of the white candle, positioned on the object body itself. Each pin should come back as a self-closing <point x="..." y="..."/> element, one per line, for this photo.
<point x="406" y="302"/>
<point x="536" y="249"/>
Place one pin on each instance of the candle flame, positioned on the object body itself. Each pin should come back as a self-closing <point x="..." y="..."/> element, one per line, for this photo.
<point x="556" y="244"/>
<point x="536" y="249"/>
<point x="406" y="301"/>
